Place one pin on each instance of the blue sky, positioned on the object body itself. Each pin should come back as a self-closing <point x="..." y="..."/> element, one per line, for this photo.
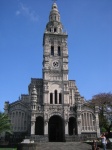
<point x="89" y="27"/>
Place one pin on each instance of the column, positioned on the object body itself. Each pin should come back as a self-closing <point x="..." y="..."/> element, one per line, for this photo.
<point x="32" y="127"/>
<point x="84" y="121"/>
<point x="79" y="123"/>
<point x="78" y="127"/>
<point x="97" y="120"/>
<point x="53" y="99"/>
<point x="72" y="99"/>
<point x="89" y="121"/>
<point x="57" y="97"/>
<point x="66" y="127"/>
<point x="45" y="128"/>
<point x="97" y="125"/>
<point x="92" y="121"/>
<point x="45" y="97"/>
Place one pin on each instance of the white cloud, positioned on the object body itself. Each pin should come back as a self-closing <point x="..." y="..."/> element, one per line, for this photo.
<point x="27" y="12"/>
<point x="18" y="12"/>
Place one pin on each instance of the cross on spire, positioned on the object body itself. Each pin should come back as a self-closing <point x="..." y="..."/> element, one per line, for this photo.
<point x="54" y="1"/>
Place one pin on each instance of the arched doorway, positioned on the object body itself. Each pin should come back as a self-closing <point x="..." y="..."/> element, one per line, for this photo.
<point x="72" y="126"/>
<point x="56" y="129"/>
<point x="39" y="126"/>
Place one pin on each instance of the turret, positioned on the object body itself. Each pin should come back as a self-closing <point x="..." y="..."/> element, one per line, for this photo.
<point x="78" y="103"/>
<point x="54" y="14"/>
<point x="6" y="107"/>
<point x="54" y="25"/>
<point x="97" y="120"/>
<point x="33" y="98"/>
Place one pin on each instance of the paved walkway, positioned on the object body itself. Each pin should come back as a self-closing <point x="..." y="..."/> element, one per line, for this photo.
<point x="65" y="146"/>
<point x="58" y="146"/>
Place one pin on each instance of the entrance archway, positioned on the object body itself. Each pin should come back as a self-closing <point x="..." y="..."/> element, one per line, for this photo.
<point x="39" y="126"/>
<point x="56" y="129"/>
<point x="72" y="126"/>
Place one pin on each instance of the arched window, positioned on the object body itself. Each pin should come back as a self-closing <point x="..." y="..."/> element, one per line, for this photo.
<point x="51" y="98"/>
<point x="52" y="50"/>
<point x="59" y="52"/>
<point x="87" y="121"/>
<point x="72" y="126"/>
<point x="55" y="93"/>
<point x="54" y="29"/>
<point x="38" y="107"/>
<point x="60" y="98"/>
<point x="82" y="121"/>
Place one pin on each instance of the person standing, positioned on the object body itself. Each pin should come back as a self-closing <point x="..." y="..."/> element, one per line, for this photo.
<point x="94" y="145"/>
<point x="104" y="141"/>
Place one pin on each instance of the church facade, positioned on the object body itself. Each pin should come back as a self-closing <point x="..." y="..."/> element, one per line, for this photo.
<point x="53" y="109"/>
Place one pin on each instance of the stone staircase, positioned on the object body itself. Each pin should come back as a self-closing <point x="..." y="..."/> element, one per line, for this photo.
<point x="37" y="138"/>
<point x="55" y="146"/>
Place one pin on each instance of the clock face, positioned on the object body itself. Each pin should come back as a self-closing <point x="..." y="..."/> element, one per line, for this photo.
<point x="55" y="64"/>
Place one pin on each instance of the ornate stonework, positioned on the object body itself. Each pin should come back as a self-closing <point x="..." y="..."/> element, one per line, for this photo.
<point x="53" y="103"/>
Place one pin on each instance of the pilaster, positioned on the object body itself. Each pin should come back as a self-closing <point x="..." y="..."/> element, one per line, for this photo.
<point x="66" y="127"/>
<point x="32" y="128"/>
<point x="79" y="126"/>
<point x="97" y="120"/>
<point x="45" y="127"/>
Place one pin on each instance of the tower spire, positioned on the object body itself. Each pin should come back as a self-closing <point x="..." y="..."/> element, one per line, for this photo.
<point x="54" y="1"/>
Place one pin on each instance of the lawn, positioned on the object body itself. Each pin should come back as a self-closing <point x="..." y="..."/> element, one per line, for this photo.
<point x="8" y="148"/>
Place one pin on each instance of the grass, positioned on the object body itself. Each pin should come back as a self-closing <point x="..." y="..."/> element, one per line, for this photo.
<point x="8" y="148"/>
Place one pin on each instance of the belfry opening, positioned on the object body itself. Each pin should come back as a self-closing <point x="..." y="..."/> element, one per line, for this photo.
<point x="56" y="129"/>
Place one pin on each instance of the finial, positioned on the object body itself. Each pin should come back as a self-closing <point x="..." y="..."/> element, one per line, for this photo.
<point x="19" y="98"/>
<point x="54" y="1"/>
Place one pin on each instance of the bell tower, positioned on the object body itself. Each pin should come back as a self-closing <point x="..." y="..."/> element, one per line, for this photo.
<point x="53" y="110"/>
<point x="55" y="54"/>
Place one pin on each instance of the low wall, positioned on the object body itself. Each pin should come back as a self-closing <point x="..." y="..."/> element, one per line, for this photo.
<point x="77" y="138"/>
<point x="38" y="138"/>
<point x="30" y="146"/>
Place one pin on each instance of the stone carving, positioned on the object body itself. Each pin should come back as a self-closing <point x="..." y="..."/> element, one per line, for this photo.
<point x="79" y="122"/>
<point x="47" y="106"/>
<point x="46" y="116"/>
<point x="32" y="123"/>
<point x="66" y="122"/>
<point x="45" y="123"/>
<point x="55" y="113"/>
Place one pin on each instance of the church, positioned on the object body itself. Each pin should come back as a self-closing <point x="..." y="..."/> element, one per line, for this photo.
<point x="53" y="110"/>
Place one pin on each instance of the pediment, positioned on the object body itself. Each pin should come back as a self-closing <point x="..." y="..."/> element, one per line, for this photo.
<point x="87" y="107"/>
<point x="18" y="105"/>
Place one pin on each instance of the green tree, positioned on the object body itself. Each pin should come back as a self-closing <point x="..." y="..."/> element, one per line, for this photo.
<point x="5" y="125"/>
<point x="104" y="101"/>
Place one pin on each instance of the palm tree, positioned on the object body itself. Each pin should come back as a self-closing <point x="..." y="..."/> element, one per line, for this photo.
<point x="5" y="125"/>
